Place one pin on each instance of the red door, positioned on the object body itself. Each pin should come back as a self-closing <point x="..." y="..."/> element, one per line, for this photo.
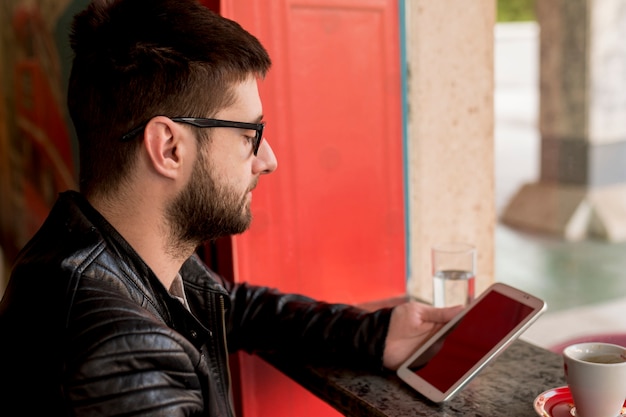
<point x="329" y="222"/>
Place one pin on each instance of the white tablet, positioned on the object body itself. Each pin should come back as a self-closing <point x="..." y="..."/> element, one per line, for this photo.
<point x="456" y="353"/>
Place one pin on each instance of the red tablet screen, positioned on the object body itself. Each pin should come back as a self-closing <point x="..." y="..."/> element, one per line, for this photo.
<point x="462" y="347"/>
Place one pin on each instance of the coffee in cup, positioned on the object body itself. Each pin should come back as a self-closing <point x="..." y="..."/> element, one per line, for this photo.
<point x="596" y="376"/>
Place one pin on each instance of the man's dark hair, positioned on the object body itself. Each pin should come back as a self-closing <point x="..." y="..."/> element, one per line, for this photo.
<point x="136" y="59"/>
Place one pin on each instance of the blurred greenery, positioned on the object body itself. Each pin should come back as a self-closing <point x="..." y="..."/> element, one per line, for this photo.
<point x="516" y="10"/>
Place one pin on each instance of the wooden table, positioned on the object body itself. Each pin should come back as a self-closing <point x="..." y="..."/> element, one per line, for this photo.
<point x="506" y="387"/>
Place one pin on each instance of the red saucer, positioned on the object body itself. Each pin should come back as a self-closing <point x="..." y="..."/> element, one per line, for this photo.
<point x="557" y="402"/>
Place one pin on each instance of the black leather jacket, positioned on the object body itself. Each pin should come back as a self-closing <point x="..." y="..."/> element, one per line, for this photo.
<point x="86" y="328"/>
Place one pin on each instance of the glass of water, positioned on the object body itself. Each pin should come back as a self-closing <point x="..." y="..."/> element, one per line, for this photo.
<point x="454" y="273"/>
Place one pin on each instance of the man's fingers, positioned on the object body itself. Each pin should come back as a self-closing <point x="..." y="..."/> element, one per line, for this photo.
<point x="441" y="315"/>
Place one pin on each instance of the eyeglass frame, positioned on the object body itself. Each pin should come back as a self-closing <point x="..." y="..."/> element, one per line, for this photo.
<point x="206" y="123"/>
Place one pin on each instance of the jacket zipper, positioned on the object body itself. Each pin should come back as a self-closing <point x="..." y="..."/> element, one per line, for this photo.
<point x="224" y="359"/>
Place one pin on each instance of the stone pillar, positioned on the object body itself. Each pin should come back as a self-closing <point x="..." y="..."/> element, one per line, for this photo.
<point x="450" y="48"/>
<point x="581" y="190"/>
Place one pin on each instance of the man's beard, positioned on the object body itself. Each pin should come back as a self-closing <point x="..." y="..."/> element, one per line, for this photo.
<point x="205" y="209"/>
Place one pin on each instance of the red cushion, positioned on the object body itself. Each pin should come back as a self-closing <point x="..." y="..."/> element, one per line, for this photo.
<point x="615" y="338"/>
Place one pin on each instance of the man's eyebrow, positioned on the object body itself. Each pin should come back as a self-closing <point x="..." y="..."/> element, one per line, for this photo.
<point x="258" y="119"/>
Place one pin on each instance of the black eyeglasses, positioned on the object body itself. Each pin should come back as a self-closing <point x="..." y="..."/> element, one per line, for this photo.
<point x="201" y="122"/>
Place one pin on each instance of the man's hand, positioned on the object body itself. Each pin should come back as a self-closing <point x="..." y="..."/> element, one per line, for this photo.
<point x="411" y="324"/>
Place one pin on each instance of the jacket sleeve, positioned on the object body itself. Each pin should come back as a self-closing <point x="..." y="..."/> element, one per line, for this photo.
<point x="262" y="319"/>
<point x="127" y="364"/>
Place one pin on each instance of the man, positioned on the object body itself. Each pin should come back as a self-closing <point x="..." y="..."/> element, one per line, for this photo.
<point x="108" y="311"/>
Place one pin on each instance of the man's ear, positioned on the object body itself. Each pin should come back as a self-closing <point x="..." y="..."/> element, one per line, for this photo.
<point x="166" y="145"/>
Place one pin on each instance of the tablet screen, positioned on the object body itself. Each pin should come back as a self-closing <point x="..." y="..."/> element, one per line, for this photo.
<point x="465" y="344"/>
